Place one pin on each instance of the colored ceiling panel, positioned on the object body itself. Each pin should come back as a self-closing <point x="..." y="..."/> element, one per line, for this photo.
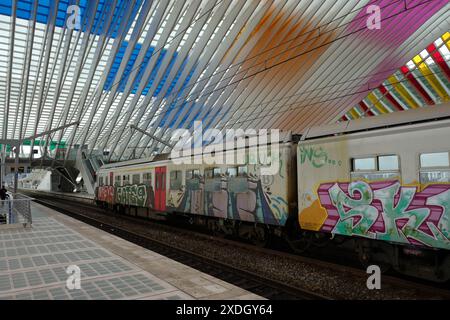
<point x="439" y="59"/>
<point x="427" y="76"/>
<point x="162" y="65"/>
<point x="399" y="87"/>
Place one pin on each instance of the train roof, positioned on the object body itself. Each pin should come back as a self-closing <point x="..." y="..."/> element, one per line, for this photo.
<point x="156" y="158"/>
<point x="413" y="116"/>
<point x="285" y="138"/>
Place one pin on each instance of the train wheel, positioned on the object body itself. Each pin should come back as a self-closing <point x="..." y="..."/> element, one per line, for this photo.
<point x="214" y="228"/>
<point x="373" y="256"/>
<point x="257" y="235"/>
<point x="260" y="236"/>
<point x="200" y="221"/>
<point x="320" y="240"/>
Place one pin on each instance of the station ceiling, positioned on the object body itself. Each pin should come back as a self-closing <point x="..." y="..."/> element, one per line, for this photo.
<point x="422" y="81"/>
<point x="161" y="65"/>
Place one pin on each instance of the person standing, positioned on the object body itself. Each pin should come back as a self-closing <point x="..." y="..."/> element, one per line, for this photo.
<point x="3" y="193"/>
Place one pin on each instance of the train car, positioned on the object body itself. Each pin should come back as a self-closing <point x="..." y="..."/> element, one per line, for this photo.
<point x="227" y="198"/>
<point x="387" y="189"/>
<point x="136" y="187"/>
<point x="379" y="186"/>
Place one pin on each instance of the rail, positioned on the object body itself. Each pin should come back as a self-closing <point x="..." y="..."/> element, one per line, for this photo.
<point x="16" y="210"/>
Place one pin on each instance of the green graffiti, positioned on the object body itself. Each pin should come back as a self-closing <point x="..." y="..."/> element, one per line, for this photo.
<point x="134" y="195"/>
<point x="278" y="206"/>
<point x="415" y="217"/>
<point x="360" y="208"/>
<point x="442" y="200"/>
<point x="318" y="157"/>
<point x="404" y="222"/>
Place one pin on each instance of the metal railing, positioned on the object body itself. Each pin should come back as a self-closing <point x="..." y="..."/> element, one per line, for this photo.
<point x="16" y="209"/>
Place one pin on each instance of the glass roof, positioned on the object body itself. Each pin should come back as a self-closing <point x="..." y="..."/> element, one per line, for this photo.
<point x="422" y="81"/>
<point x="101" y="66"/>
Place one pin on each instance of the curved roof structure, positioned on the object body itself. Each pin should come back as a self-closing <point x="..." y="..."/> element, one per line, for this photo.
<point x="161" y="65"/>
<point x="422" y="81"/>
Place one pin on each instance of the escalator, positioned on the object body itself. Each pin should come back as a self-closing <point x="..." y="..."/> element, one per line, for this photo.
<point x="87" y="172"/>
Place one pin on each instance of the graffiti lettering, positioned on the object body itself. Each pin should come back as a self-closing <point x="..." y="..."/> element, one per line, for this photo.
<point x="134" y="195"/>
<point x="358" y="208"/>
<point x="238" y="198"/>
<point x="106" y="194"/>
<point x="388" y="211"/>
<point x="318" y="157"/>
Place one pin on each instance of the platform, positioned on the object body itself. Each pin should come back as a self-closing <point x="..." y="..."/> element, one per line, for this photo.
<point x="33" y="264"/>
<point x="77" y="196"/>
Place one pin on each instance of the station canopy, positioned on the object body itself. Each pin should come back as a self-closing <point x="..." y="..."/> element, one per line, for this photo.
<point x="104" y="66"/>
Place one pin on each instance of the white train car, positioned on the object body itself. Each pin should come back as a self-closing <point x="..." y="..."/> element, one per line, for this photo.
<point x="226" y="197"/>
<point x="373" y="183"/>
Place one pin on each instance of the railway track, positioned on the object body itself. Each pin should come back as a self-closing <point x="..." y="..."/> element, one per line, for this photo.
<point x="265" y="287"/>
<point x="251" y="281"/>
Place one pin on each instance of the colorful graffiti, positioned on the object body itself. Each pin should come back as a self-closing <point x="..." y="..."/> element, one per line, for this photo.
<point x="106" y="194"/>
<point x="239" y="198"/>
<point x="139" y="195"/>
<point x="388" y="211"/>
<point x="318" y="157"/>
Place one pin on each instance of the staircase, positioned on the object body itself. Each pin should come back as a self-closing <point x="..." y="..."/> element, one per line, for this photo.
<point x="88" y="168"/>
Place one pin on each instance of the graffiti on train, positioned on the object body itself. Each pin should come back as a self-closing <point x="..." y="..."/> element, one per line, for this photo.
<point x="388" y="211"/>
<point x="106" y="194"/>
<point x="241" y="198"/>
<point x="318" y="157"/>
<point x="135" y="195"/>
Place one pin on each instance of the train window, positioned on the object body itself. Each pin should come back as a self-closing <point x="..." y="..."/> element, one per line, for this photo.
<point x="212" y="173"/>
<point x="216" y="172"/>
<point x="175" y="180"/>
<point x="232" y="172"/>
<point x="376" y="168"/>
<point x="125" y="179"/>
<point x="196" y="173"/>
<point x="433" y="160"/>
<point x="208" y="173"/>
<point x="117" y="181"/>
<point x="192" y="174"/>
<point x="388" y="163"/>
<point x="136" y="178"/>
<point x="147" y="179"/>
<point x="434" y="167"/>
<point x="376" y="175"/>
<point x="242" y="171"/>
<point x="442" y="176"/>
<point x="364" y="164"/>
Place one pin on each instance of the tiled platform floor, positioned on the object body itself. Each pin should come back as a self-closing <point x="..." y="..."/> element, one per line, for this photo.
<point x="33" y="264"/>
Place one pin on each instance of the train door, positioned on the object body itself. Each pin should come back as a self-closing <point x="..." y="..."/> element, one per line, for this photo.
<point x="160" y="188"/>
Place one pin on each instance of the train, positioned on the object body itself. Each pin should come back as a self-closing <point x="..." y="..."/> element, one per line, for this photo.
<point x="379" y="186"/>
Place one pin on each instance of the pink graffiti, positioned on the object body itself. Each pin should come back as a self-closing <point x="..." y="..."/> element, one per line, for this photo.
<point x="106" y="194"/>
<point x="425" y="217"/>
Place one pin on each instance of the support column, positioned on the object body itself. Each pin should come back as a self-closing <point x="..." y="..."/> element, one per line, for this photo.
<point x="2" y="169"/>
<point x="16" y="167"/>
